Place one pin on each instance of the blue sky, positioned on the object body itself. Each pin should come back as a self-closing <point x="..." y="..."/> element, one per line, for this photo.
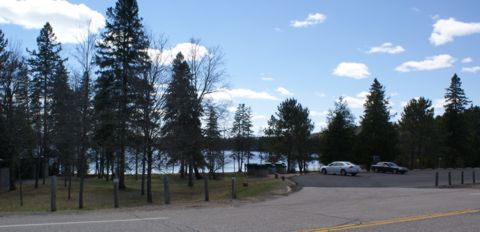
<point x="314" y="51"/>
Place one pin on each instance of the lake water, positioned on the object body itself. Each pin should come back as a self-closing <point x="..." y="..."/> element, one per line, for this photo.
<point x="230" y="166"/>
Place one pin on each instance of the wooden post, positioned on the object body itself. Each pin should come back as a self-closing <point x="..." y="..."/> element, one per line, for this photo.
<point x="436" y="179"/>
<point x="461" y="179"/>
<point x="166" y="190"/>
<point x="473" y="176"/>
<point x="115" y="192"/>
<point x="53" y="193"/>
<point x="449" y="178"/>
<point x="234" y="188"/>
<point x="21" y="188"/>
<point x="205" y="183"/>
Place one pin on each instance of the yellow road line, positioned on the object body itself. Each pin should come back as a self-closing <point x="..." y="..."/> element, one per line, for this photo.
<point x="393" y="221"/>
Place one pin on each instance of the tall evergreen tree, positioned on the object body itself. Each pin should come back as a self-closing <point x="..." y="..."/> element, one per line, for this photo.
<point x="63" y="131"/>
<point x="182" y="111"/>
<point x="122" y="54"/>
<point x="377" y="135"/>
<point x="293" y="128"/>
<point x="242" y="133"/>
<point x="212" y="142"/>
<point x="454" y="123"/>
<point x="43" y="64"/>
<point x="472" y="117"/>
<point x="416" y="133"/>
<point x="15" y="137"/>
<point x="104" y="122"/>
<point x="338" y="138"/>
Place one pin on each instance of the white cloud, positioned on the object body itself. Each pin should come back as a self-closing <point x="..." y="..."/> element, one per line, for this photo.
<point x="320" y="94"/>
<point x="438" y="103"/>
<point x="312" y="19"/>
<point x="357" y="101"/>
<point x="353" y="70"/>
<point x="467" y="60"/>
<point x="266" y="77"/>
<point x="393" y="94"/>
<point x="69" y="21"/>
<point x="259" y="117"/>
<point x="278" y="29"/>
<point x="415" y="9"/>
<point x="430" y="63"/>
<point x="283" y="91"/>
<point x="444" y="30"/>
<point x="321" y="125"/>
<point x="387" y="48"/>
<point x="230" y="94"/>
<point x="474" y="69"/>
<point x="232" y="109"/>
<point x="314" y="113"/>
<point x="188" y="50"/>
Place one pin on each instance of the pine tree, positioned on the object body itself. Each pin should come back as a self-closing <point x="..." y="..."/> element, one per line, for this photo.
<point x="104" y="121"/>
<point x="122" y="54"/>
<point x="4" y="73"/>
<point x="63" y="131"/>
<point x="43" y="63"/>
<point x="416" y="133"/>
<point x="338" y="138"/>
<point x="211" y="141"/>
<point x="242" y="133"/>
<point x="182" y="112"/>
<point x="377" y="135"/>
<point x="15" y="132"/>
<point x="293" y="128"/>
<point x="454" y="123"/>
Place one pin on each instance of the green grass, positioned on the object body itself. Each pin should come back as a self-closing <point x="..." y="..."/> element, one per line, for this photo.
<point x="99" y="193"/>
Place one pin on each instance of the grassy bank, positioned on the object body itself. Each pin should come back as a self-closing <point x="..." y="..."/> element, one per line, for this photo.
<point x="99" y="193"/>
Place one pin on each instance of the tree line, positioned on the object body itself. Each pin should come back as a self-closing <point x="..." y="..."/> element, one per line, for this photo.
<point x="126" y="109"/>
<point x="419" y="139"/>
<point x="122" y="109"/>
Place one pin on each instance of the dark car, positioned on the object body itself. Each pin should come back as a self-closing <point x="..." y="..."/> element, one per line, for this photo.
<point x="388" y="167"/>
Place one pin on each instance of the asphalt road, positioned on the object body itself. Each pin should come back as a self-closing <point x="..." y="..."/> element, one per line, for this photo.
<point x="416" y="178"/>
<point x="309" y="209"/>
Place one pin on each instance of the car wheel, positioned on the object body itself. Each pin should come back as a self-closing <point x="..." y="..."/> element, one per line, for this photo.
<point x="343" y="172"/>
<point x="324" y="171"/>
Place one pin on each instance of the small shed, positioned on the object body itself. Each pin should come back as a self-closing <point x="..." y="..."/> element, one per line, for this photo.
<point x="258" y="170"/>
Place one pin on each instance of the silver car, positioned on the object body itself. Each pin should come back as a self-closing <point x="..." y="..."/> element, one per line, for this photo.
<point x="340" y="167"/>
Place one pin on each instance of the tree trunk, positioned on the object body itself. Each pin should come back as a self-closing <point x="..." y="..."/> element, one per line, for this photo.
<point x="69" y="183"/>
<point x="142" y="190"/>
<point x="35" y="172"/>
<point x="82" y="170"/>
<point x="190" y="171"/>
<point x="136" y="165"/>
<point x="108" y="169"/>
<point x="12" y="175"/>
<point x="121" y="168"/>
<point x="149" y="176"/>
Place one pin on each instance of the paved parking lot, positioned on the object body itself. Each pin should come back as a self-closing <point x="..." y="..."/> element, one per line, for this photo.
<point x="416" y="178"/>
